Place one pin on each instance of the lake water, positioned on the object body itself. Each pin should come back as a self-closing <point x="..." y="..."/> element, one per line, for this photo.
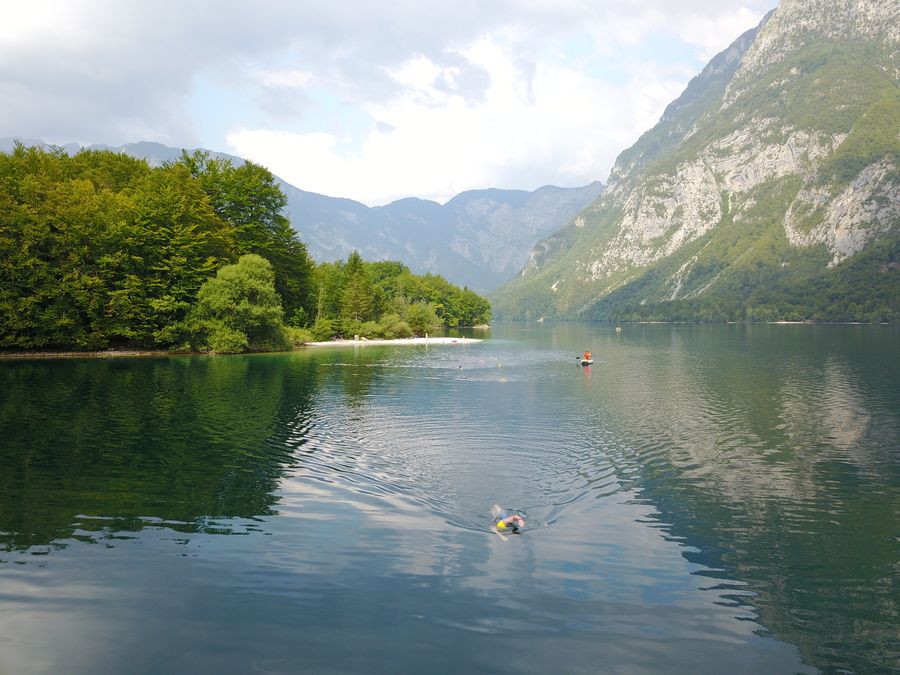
<point x="703" y="499"/>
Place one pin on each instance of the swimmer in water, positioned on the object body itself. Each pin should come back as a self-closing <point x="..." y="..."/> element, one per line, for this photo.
<point x="506" y="523"/>
<point x="511" y="524"/>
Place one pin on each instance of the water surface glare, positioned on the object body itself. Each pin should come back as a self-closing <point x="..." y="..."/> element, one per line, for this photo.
<point x="703" y="499"/>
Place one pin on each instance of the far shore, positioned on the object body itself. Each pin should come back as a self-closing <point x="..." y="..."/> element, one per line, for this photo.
<point x="102" y="354"/>
<point x="363" y="342"/>
<point x="132" y="353"/>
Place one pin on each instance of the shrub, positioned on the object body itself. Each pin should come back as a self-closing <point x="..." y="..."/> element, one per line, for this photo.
<point x="422" y="318"/>
<point x="240" y="309"/>
<point x="368" y="329"/>
<point x="297" y="336"/>
<point x="323" y="329"/>
<point x="224" y="340"/>
<point x="392" y="327"/>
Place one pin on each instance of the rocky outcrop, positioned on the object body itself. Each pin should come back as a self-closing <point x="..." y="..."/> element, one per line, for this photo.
<point x="663" y="212"/>
<point x="742" y="160"/>
<point x="661" y="215"/>
<point x="797" y="22"/>
<point x="847" y="221"/>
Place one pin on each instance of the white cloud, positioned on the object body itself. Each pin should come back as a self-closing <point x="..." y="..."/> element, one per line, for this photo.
<point x="713" y="33"/>
<point x="284" y="79"/>
<point x="552" y="125"/>
<point x="459" y="95"/>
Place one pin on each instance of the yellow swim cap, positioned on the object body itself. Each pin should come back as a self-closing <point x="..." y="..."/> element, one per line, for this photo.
<point x="501" y="525"/>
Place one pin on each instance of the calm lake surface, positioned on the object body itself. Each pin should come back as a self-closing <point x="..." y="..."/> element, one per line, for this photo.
<point x="703" y="499"/>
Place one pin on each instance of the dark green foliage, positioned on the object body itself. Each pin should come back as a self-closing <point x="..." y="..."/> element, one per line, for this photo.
<point x="392" y="327"/>
<point x="175" y="243"/>
<point x="324" y="329"/>
<point x="356" y="298"/>
<point x="329" y="283"/>
<point x="863" y="288"/>
<point x="351" y="295"/>
<point x="86" y="266"/>
<point x="106" y="170"/>
<point x="422" y="318"/>
<point x="250" y="201"/>
<point x="239" y="309"/>
<point x="99" y="250"/>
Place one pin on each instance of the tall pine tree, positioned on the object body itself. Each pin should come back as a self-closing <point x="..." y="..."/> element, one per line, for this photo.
<point x="357" y="299"/>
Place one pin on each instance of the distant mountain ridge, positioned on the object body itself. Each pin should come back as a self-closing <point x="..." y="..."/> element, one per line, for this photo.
<point x="769" y="189"/>
<point x="480" y="238"/>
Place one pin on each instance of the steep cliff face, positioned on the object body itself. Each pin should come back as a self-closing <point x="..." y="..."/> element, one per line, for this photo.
<point x="778" y="165"/>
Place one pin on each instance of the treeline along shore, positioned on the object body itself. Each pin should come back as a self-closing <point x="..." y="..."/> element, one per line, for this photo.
<point x="101" y="251"/>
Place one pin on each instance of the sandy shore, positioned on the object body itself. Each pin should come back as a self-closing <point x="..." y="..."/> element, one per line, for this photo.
<point x="398" y="341"/>
<point x="113" y="353"/>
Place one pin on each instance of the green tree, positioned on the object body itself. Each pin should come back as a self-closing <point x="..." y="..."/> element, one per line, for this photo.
<point x="324" y="329"/>
<point x="52" y="225"/>
<point x="163" y="255"/>
<point x="249" y="200"/>
<point x="354" y="293"/>
<point x="106" y="170"/>
<point x="329" y="279"/>
<point x="356" y="299"/>
<point x="392" y="326"/>
<point x="102" y="250"/>
<point x="240" y="309"/>
<point x="422" y="318"/>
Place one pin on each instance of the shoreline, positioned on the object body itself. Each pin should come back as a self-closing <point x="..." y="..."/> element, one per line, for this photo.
<point x="396" y="341"/>
<point x="101" y="354"/>
<point x="143" y="353"/>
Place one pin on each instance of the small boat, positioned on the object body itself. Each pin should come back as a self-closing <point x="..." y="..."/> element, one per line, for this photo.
<point x="586" y="362"/>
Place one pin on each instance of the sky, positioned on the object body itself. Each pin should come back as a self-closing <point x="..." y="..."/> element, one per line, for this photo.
<point x="369" y="101"/>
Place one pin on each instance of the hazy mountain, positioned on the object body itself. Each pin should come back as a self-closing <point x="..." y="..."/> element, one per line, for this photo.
<point x="480" y="238"/>
<point x="769" y="189"/>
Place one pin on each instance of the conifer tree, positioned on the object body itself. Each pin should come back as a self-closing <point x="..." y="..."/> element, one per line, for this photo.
<point x="356" y="300"/>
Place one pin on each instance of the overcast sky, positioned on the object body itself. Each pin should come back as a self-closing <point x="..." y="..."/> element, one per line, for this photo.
<point x="371" y="101"/>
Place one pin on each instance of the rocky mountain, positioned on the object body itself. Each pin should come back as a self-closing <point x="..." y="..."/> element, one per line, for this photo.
<point x="478" y="239"/>
<point x="770" y="189"/>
